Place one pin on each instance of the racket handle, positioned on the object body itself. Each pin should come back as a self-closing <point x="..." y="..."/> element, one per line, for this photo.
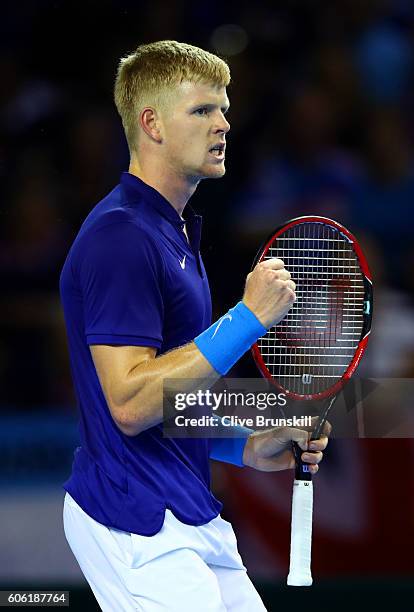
<point x="301" y="534"/>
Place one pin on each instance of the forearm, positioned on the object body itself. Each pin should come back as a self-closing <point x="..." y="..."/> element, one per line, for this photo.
<point x="201" y="362"/>
<point x="141" y="397"/>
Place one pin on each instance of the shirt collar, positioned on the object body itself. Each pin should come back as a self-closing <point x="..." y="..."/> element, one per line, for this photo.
<point x="134" y="189"/>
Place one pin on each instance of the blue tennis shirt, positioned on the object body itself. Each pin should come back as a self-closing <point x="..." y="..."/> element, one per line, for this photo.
<point x="132" y="278"/>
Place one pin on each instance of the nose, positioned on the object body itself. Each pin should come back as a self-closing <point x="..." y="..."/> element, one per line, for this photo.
<point x="223" y="126"/>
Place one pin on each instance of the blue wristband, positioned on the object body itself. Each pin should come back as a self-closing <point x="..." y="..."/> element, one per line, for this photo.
<point x="230" y="337"/>
<point x="230" y="450"/>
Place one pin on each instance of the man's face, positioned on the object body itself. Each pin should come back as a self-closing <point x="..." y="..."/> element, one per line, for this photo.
<point x="194" y="123"/>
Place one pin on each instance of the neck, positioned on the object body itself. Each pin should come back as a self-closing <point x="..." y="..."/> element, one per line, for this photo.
<point x="177" y="189"/>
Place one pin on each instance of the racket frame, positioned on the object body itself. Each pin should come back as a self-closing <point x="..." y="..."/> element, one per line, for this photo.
<point x="368" y="308"/>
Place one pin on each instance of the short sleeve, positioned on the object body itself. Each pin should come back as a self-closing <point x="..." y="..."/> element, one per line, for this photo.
<point x="121" y="277"/>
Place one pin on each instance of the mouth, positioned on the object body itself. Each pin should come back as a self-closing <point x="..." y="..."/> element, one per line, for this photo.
<point x="218" y="151"/>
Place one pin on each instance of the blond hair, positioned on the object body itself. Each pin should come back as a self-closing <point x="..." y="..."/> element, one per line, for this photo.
<point x="145" y="75"/>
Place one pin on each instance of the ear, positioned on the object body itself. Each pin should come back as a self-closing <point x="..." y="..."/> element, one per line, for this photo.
<point x="151" y="123"/>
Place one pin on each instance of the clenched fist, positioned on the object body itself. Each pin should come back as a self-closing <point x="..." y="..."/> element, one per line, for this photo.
<point x="269" y="292"/>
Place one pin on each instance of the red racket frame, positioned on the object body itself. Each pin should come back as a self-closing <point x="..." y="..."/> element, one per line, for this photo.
<point x="334" y="389"/>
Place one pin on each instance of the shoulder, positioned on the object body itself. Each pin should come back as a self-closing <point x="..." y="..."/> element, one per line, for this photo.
<point x="117" y="241"/>
<point x="113" y="216"/>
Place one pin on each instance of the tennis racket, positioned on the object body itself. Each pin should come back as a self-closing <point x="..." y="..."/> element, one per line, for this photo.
<point x="315" y="349"/>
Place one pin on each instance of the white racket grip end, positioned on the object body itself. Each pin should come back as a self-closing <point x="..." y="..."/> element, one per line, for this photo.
<point x="301" y="534"/>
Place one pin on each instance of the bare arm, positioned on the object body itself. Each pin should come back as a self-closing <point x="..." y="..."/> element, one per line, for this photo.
<point x="132" y="377"/>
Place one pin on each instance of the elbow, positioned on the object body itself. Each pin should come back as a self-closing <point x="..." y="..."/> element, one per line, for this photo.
<point x="130" y="412"/>
<point x="123" y="420"/>
<point x="128" y="429"/>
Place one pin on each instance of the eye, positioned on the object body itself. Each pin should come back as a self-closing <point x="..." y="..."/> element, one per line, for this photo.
<point x="201" y="111"/>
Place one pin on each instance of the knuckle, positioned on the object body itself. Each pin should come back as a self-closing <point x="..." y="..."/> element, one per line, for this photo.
<point x="328" y="427"/>
<point x="280" y="274"/>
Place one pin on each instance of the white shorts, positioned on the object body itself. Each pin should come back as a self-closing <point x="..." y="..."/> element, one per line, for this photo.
<point x="182" y="568"/>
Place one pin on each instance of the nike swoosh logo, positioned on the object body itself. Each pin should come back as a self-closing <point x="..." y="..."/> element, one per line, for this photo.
<point x="227" y="316"/>
<point x="182" y="263"/>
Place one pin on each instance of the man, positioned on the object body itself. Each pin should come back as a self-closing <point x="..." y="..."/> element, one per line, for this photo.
<point x="139" y="515"/>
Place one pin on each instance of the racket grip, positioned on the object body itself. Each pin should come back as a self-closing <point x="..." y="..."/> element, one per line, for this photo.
<point x="301" y="534"/>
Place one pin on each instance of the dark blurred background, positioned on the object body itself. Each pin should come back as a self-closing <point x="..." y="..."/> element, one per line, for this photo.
<point x="322" y="122"/>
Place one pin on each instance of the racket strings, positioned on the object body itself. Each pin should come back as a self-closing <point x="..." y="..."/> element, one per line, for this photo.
<point x="316" y="341"/>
